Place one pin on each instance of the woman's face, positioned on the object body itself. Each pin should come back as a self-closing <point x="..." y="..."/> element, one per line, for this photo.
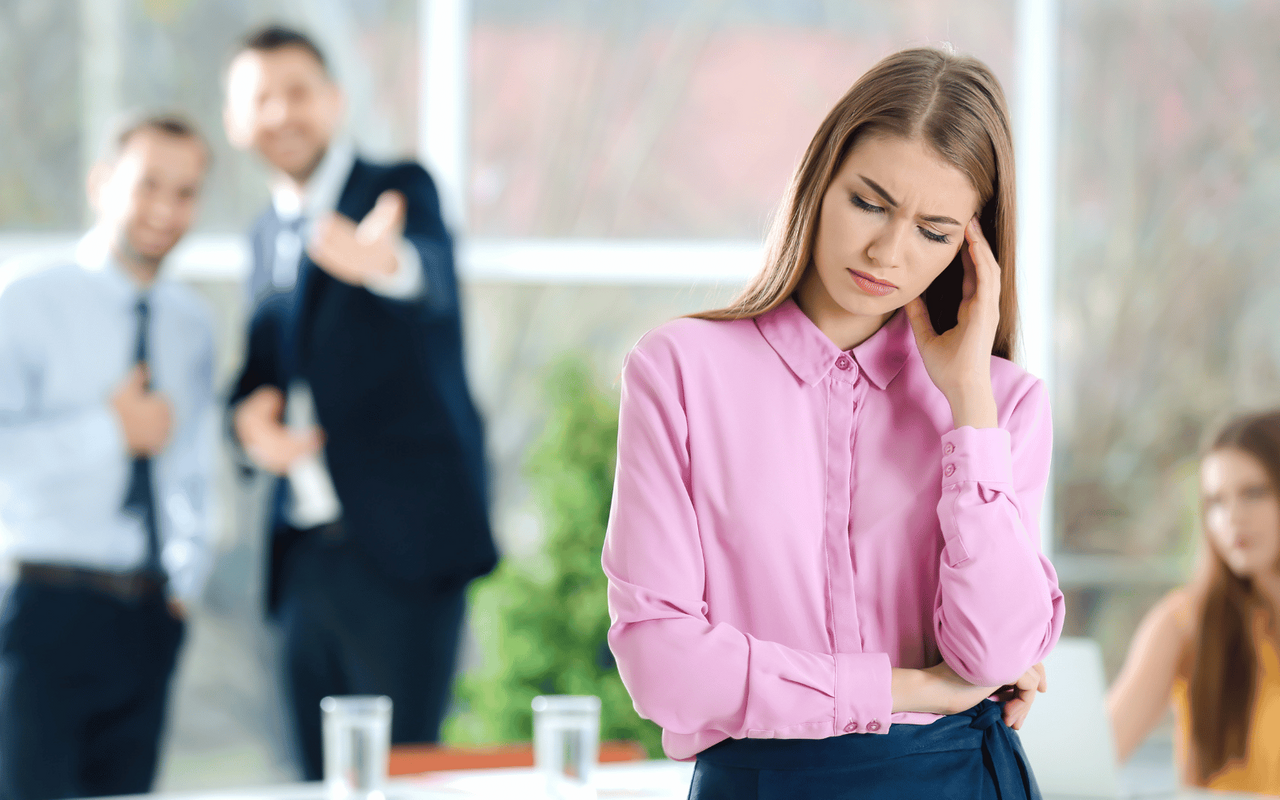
<point x="891" y="221"/>
<point x="1241" y="511"/>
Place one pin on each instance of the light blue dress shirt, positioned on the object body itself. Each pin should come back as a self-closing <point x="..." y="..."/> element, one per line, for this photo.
<point x="67" y="337"/>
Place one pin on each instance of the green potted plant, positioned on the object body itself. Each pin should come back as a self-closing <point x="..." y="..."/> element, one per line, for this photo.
<point x="542" y="622"/>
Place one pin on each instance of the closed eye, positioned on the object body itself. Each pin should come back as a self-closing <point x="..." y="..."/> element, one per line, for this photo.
<point x="940" y="238"/>
<point x="865" y="206"/>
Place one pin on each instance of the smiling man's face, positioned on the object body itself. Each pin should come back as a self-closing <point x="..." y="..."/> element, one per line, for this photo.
<point x="284" y="105"/>
<point x="146" y="198"/>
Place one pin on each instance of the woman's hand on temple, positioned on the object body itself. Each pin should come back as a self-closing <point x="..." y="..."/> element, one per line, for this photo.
<point x="959" y="360"/>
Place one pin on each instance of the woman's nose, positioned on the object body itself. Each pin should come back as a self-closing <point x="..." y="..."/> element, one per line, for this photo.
<point x="886" y="247"/>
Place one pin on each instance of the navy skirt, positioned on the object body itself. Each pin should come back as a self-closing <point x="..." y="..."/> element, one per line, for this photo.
<point x="972" y="755"/>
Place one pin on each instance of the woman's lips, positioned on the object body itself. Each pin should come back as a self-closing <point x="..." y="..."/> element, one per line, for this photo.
<point x="870" y="285"/>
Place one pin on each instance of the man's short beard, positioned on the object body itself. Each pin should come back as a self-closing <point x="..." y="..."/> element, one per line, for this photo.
<point x="124" y="248"/>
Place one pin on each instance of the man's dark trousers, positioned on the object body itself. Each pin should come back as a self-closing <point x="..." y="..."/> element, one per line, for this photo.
<point x="347" y="630"/>
<point x="84" y="678"/>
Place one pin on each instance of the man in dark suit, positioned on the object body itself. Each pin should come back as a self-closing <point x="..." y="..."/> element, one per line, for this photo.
<point x="353" y="392"/>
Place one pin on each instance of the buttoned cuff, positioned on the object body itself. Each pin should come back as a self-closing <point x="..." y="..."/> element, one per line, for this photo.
<point x="864" y="693"/>
<point x="983" y="455"/>
<point x="406" y="282"/>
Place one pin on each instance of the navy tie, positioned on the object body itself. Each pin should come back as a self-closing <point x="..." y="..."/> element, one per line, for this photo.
<point x="140" y="501"/>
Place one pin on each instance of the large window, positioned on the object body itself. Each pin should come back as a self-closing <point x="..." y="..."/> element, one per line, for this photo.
<point x="1169" y="152"/>
<point x="619" y="163"/>
<point x="673" y="119"/>
<point x="75" y="67"/>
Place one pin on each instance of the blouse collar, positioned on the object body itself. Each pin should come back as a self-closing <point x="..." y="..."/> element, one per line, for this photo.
<point x="811" y="355"/>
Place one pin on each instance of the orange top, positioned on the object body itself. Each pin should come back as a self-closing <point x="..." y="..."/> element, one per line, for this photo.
<point x="1259" y="771"/>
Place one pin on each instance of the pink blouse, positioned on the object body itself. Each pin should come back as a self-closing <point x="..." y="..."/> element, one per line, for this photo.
<point x="790" y="522"/>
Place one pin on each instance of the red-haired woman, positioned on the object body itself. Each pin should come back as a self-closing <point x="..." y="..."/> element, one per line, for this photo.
<point x="822" y="554"/>
<point x="1211" y="647"/>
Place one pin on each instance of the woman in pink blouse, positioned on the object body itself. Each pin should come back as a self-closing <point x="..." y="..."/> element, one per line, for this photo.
<point x="822" y="553"/>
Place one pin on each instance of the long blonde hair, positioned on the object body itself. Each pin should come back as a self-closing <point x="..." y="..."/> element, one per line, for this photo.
<point x="956" y="105"/>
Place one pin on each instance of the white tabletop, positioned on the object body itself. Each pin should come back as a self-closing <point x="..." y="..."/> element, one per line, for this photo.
<point x="643" y="780"/>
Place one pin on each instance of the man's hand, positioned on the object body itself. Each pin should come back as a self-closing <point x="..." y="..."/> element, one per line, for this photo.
<point x="177" y="609"/>
<point x="352" y="253"/>
<point x="266" y="441"/>
<point x="1019" y="696"/>
<point x="144" y="415"/>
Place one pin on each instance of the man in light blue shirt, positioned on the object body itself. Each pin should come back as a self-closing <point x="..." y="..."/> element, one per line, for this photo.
<point x="107" y="425"/>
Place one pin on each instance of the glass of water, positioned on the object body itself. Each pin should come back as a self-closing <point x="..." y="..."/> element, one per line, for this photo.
<point x="357" y="737"/>
<point x="566" y="744"/>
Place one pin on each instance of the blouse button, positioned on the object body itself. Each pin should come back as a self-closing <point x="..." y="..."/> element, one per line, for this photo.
<point x="842" y="362"/>
<point x="950" y="470"/>
<point x="873" y="725"/>
<point x="851" y="727"/>
<point x="949" y="449"/>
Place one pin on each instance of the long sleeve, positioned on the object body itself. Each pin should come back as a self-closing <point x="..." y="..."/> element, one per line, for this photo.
<point x="425" y="283"/>
<point x="683" y="671"/>
<point x="425" y="231"/>
<point x="79" y="453"/>
<point x="262" y="363"/>
<point x="189" y="503"/>
<point x="998" y="609"/>
<point x="407" y="282"/>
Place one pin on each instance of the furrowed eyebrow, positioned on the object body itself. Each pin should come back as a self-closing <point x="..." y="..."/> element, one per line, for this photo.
<point x="880" y="190"/>
<point x="940" y="220"/>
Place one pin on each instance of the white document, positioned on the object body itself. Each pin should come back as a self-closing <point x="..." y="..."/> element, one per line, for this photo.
<point x="313" y="498"/>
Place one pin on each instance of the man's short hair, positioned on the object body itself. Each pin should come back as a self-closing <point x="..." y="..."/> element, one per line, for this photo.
<point x="166" y="122"/>
<point x="271" y="38"/>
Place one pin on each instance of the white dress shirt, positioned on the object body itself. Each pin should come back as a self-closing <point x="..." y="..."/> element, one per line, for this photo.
<point x="67" y="341"/>
<point x="313" y="499"/>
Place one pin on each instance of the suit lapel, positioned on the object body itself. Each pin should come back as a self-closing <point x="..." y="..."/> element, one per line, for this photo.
<point x="313" y="282"/>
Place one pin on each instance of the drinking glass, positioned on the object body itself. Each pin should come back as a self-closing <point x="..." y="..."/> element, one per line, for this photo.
<point x="566" y="743"/>
<point x="357" y="737"/>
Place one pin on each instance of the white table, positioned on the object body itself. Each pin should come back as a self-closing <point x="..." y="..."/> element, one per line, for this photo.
<point x="643" y="780"/>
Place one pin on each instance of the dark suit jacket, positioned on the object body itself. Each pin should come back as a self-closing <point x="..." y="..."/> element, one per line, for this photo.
<point x="404" y="443"/>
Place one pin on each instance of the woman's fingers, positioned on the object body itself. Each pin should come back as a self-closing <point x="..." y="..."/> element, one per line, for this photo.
<point x="970" y="283"/>
<point x="1019" y="695"/>
<point x="986" y="270"/>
